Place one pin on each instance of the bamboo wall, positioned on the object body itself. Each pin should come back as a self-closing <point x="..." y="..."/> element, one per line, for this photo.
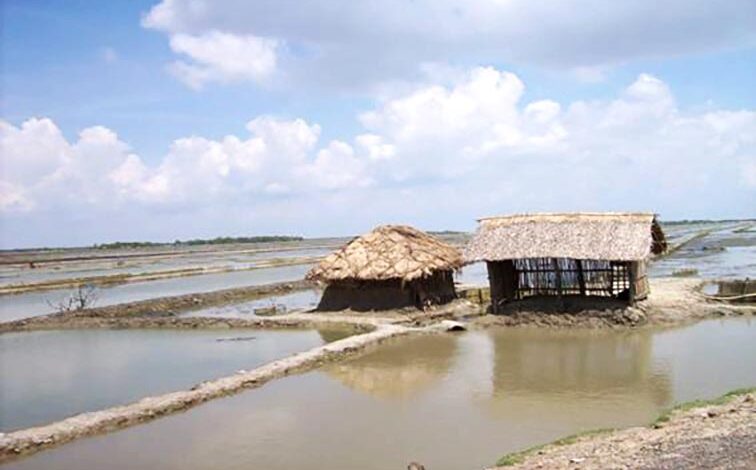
<point x="512" y="280"/>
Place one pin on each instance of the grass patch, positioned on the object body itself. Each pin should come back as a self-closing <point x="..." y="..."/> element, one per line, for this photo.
<point x="689" y="405"/>
<point x="519" y="457"/>
<point x="686" y="272"/>
<point x="516" y="458"/>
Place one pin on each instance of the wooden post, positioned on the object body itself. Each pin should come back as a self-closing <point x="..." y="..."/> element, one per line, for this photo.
<point x="581" y="277"/>
<point x="557" y="276"/>
<point x="558" y="279"/>
<point x="632" y="274"/>
<point x="494" y="283"/>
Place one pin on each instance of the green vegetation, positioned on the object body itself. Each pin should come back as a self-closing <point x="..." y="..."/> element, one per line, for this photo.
<point x="516" y="458"/>
<point x="201" y="241"/>
<point x="685" y="272"/>
<point x="689" y="405"/>
<point x="120" y="245"/>
<point x="701" y="221"/>
<point x="227" y="240"/>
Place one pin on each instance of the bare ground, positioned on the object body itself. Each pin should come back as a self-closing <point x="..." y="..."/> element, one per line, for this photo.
<point x="672" y="301"/>
<point x="715" y="435"/>
<point x="163" y="307"/>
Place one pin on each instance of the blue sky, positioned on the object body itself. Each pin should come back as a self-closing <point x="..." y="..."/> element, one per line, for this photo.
<point x="162" y="120"/>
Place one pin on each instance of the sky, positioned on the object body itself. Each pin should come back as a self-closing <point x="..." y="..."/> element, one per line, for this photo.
<point x="145" y="120"/>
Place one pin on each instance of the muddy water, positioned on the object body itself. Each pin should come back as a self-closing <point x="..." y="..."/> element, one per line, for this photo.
<point x="300" y="300"/>
<point x="18" y="274"/>
<point x="450" y="402"/>
<point x="723" y="254"/>
<point x="49" y="375"/>
<point x="475" y="274"/>
<point x="14" y="307"/>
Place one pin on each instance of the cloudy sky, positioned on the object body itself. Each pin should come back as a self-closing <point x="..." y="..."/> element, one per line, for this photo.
<point x="145" y="120"/>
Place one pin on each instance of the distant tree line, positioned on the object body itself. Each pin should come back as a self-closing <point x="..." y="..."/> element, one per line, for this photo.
<point x="201" y="241"/>
<point x="702" y="221"/>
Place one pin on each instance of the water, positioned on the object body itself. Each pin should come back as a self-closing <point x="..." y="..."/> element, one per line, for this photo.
<point x="448" y="401"/>
<point x="14" y="307"/>
<point x="475" y="274"/>
<point x="49" y="375"/>
<point x="21" y="273"/>
<point x="724" y="254"/>
<point x="300" y="300"/>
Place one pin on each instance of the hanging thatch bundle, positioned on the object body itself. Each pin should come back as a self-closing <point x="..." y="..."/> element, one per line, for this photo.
<point x="391" y="267"/>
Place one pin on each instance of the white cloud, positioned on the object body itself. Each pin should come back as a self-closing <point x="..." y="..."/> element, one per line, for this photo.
<point x="354" y="43"/>
<point x="223" y="57"/>
<point x="473" y="148"/>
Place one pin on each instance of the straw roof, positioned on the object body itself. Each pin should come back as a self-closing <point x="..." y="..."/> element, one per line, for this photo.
<point x="609" y="236"/>
<point x="388" y="252"/>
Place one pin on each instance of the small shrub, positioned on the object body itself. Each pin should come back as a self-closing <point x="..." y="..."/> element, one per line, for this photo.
<point x="686" y="272"/>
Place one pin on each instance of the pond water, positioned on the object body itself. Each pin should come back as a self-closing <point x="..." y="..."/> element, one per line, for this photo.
<point x="300" y="300"/>
<point x="475" y="274"/>
<point x="49" y="375"/>
<point x="14" y="307"/>
<point x="447" y="401"/>
<point x="19" y="274"/>
<point x="724" y="254"/>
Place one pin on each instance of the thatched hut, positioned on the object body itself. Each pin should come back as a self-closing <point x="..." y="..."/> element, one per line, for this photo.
<point x="393" y="266"/>
<point x="566" y="255"/>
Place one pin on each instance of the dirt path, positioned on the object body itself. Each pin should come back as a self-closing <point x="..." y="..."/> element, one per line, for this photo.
<point x="720" y="434"/>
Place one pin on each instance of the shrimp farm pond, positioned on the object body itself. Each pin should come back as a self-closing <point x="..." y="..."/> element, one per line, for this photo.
<point x="449" y="401"/>
<point x="293" y="387"/>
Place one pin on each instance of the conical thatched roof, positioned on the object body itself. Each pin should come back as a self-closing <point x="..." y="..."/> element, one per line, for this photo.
<point x="388" y="252"/>
<point x="613" y="236"/>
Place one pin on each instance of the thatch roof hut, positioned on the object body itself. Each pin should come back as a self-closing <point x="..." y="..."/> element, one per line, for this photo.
<point x="393" y="266"/>
<point x="584" y="254"/>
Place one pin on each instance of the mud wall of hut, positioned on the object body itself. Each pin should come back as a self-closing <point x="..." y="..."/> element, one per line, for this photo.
<point x="389" y="294"/>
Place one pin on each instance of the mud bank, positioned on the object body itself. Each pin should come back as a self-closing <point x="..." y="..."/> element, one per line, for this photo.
<point x="28" y="441"/>
<point x="115" y="279"/>
<point x="672" y="301"/>
<point x="159" y="307"/>
<point x="716" y="434"/>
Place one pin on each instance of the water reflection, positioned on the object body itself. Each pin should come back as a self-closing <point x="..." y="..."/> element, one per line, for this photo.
<point x="481" y="394"/>
<point x="48" y="375"/>
<point x="585" y="379"/>
<point x="398" y="370"/>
